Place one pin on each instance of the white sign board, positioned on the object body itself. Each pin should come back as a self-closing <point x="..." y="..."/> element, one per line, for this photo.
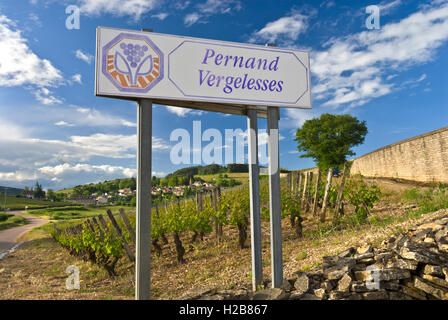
<point x="137" y="64"/>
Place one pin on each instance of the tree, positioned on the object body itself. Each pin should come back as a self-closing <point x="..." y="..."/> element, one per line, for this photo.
<point x="51" y="195"/>
<point x="38" y="191"/>
<point x="329" y="139"/>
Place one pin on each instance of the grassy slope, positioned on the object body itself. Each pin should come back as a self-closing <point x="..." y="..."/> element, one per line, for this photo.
<point x="10" y="221"/>
<point x="14" y="203"/>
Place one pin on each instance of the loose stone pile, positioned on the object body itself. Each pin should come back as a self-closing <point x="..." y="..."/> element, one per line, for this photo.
<point x="410" y="266"/>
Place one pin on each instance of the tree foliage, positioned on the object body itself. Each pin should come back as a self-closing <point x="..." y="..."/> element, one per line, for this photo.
<point x="329" y="139"/>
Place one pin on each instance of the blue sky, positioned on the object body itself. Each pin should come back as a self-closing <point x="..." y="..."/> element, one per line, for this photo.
<point x="53" y="128"/>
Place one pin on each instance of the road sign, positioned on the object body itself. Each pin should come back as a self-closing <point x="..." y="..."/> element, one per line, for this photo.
<point x="183" y="70"/>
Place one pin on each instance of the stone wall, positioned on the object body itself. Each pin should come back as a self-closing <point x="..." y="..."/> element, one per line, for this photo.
<point x="422" y="158"/>
<point x="410" y="266"/>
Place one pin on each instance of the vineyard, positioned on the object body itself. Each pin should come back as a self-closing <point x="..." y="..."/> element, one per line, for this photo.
<point x="187" y="221"/>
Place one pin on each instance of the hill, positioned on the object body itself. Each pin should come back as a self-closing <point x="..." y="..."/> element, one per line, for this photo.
<point x="10" y="191"/>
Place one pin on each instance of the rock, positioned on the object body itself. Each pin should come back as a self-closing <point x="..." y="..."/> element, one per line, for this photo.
<point x="399" y="296"/>
<point x="296" y="295"/>
<point x="364" y="249"/>
<point x="441" y="236"/>
<point x="286" y="285"/>
<point x="359" y="287"/>
<point x="328" y="285"/>
<point x="270" y="294"/>
<point x="382" y="274"/>
<point x="344" y="283"/>
<point x="432" y="226"/>
<point x="337" y="295"/>
<point x="302" y="283"/>
<point x="384" y="257"/>
<point x="435" y="280"/>
<point x="430" y="288"/>
<point x="308" y="296"/>
<point x="390" y="285"/>
<point x="364" y="256"/>
<point x="320" y="293"/>
<point x="338" y="268"/>
<point x="353" y="296"/>
<point x="347" y="253"/>
<point x="445" y="272"/>
<point x="402" y="264"/>
<point x="376" y="295"/>
<point x="433" y="270"/>
<point x="417" y="252"/>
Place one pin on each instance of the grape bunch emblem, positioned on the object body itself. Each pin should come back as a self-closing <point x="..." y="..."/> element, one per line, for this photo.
<point x="133" y="60"/>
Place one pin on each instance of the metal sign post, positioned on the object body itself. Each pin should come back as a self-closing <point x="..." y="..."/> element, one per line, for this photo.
<point x="274" y="196"/>
<point x="254" y="186"/>
<point x="143" y="214"/>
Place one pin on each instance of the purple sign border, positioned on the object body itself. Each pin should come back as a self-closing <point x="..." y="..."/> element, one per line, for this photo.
<point x="135" y="36"/>
<point x="234" y="46"/>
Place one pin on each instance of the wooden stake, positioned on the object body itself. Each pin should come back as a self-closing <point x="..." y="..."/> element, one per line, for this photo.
<point x="340" y="192"/>
<point x="316" y="193"/>
<point x="325" y="201"/>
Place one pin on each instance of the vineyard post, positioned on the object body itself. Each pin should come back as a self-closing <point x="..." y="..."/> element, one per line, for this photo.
<point x="274" y="196"/>
<point x="299" y="182"/>
<point x="325" y="201"/>
<point x="143" y="217"/>
<point x="292" y="182"/>
<point x="215" y="204"/>
<point x="316" y="192"/>
<point x="254" y="187"/>
<point x="308" y="191"/>
<point x="340" y="192"/>
<point x="305" y="186"/>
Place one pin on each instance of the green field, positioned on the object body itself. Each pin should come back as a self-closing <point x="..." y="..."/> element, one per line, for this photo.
<point x="9" y="221"/>
<point x="14" y="203"/>
<point x="75" y="212"/>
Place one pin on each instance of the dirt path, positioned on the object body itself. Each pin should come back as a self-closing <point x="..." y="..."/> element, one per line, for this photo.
<point x="9" y="237"/>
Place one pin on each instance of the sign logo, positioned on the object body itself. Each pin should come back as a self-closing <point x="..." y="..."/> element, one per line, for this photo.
<point x="133" y="63"/>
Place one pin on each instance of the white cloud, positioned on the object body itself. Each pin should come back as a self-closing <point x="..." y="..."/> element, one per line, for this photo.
<point x="386" y="7"/>
<point x="63" y="124"/>
<point x="354" y="69"/>
<point x="285" y="30"/>
<point x="191" y="18"/>
<point x="29" y="158"/>
<point x="134" y="8"/>
<point x="211" y="7"/>
<point x="77" y="78"/>
<point x="182" y="112"/>
<point x="45" y="96"/>
<point x="84" y="56"/>
<point x="19" y="65"/>
<point x="160" y="16"/>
